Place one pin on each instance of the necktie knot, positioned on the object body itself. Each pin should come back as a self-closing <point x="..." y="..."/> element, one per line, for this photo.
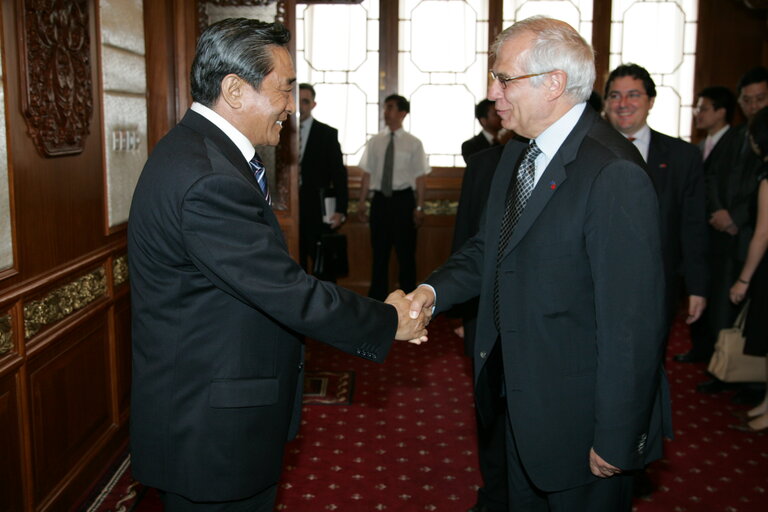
<point x="260" y="173"/>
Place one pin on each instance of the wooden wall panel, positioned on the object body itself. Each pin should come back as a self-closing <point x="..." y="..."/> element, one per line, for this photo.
<point x="122" y="332"/>
<point x="11" y="488"/>
<point x="732" y="38"/>
<point x="70" y="403"/>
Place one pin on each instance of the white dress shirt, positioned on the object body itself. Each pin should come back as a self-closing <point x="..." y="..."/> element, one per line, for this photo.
<point x="235" y="135"/>
<point x="550" y="140"/>
<point x="410" y="161"/>
<point x="642" y="140"/>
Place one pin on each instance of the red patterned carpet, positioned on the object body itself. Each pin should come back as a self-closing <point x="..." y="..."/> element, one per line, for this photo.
<point x="406" y="441"/>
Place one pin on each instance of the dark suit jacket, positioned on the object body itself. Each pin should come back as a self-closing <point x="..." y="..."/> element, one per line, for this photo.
<point x="474" y="196"/>
<point x="581" y="299"/>
<point x="473" y="145"/>
<point x="322" y="169"/>
<point x="217" y="303"/>
<point x="675" y="168"/>
<point x="731" y="180"/>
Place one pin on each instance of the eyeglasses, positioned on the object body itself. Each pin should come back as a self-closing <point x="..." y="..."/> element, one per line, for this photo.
<point x="504" y="80"/>
<point x="631" y="96"/>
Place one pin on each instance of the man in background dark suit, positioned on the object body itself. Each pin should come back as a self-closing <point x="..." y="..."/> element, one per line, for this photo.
<point x="570" y="278"/>
<point x="489" y="135"/>
<point x="731" y="197"/>
<point x="714" y="112"/>
<point x="322" y="174"/>
<point x="217" y="302"/>
<point x="676" y="171"/>
<point x="491" y="452"/>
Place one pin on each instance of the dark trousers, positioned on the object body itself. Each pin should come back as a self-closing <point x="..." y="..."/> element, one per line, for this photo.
<point x="391" y="221"/>
<point x="264" y="501"/>
<point x="492" y="459"/>
<point x="720" y="312"/>
<point x="612" y="494"/>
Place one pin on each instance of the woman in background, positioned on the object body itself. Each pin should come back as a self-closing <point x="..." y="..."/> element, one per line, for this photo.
<point x="754" y="275"/>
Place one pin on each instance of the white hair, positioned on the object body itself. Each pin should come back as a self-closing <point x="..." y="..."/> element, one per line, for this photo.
<point x="556" y="45"/>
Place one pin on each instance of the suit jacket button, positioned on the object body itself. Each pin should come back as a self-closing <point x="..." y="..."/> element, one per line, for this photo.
<point x="301" y="366"/>
<point x="483" y="355"/>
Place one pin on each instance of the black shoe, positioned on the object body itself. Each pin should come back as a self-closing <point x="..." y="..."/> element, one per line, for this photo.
<point x="478" y="508"/>
<point x="748" y="396"/>
<point x="691" y="357"/>
<point x="711" y="387"/>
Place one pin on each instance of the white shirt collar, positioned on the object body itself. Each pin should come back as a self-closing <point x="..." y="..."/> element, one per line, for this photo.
<point x="488" y="136"/>
<point x="235" y="135"/>
<point x="642" y="140"/>
<point x="550" y="140"/>
<point x="718" y="134"/>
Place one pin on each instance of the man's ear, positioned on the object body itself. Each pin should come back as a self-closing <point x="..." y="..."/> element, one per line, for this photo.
<point x="232" y="90"/>
<point x="556" y="84"/>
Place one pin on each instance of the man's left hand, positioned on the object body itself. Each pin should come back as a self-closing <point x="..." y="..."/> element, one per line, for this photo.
<point x="337" y="219"/>
<point x="418" y="217"/>
<point x="599" y="467"/>
<point x="696" y="306"/>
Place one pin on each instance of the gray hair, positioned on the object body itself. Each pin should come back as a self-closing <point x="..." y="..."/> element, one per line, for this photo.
<point x="556" y="45"/>
<point x="237" y="46"/>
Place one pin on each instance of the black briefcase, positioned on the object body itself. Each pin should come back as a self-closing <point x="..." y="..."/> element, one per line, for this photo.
<point x="330" y="262"/>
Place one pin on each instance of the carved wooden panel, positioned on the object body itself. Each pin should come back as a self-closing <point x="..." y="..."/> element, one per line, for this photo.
<point x="11" y="491"/>
<point x="57" y="88"/>
<point x="70" y="403"/>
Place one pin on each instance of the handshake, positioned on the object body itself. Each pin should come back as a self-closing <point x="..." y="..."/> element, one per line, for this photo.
<point x="414" y="311"/>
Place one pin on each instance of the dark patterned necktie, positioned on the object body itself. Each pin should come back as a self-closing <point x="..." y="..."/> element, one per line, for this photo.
<point x="389" y="167"/>
<point x="260" y="173"/>
<point x="517" y="198"/>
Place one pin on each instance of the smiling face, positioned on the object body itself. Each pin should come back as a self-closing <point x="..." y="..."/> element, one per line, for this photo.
<point x="523" y="108"/>
<point x="265" y="109"/>
<point x="627" y="104"/>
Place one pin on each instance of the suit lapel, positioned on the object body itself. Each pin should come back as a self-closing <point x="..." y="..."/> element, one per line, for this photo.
<point x="200" y="124"/>
<point x="658" y="160"/>
<point x="552" y="178"/>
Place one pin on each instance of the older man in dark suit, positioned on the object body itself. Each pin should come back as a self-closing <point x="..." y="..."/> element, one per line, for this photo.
<point x="490" y="122"/>
<point x="568" y="268"/>
<point x="322" y="175"/>
<point x="217" y="302"/>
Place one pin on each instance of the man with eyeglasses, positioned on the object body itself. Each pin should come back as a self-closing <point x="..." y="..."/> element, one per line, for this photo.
<point x="713" y="114"/>
<point x="675" y="167"/>
<point x="731" y="196"/>
<point x="567" y="265"/>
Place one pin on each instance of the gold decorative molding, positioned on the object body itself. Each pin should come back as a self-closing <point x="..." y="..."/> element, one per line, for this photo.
<point x="63" y="301"/>
<point x="120" y="270"/>
<point x="57" y="93"/>
<point x="6" y="334"/>
<point x="436" y="207"/>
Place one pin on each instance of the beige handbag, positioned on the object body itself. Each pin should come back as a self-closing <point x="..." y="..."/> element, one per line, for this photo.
<point x="728" y="362"/>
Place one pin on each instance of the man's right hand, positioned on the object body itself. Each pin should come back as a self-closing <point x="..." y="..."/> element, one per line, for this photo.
<point x="362" y="212"/>
<point x="422" y="299"/>
<point x="409" y="327"/>
<point x="721" y="220"/>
